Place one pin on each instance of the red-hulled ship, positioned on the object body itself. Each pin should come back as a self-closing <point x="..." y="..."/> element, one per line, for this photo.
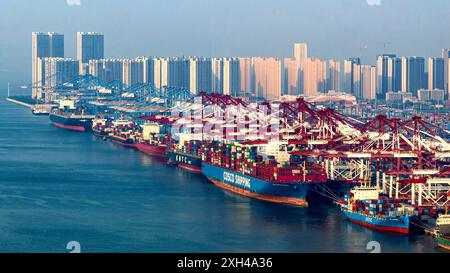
<point x="151" y="141"/>
<point x="69" y="117"/>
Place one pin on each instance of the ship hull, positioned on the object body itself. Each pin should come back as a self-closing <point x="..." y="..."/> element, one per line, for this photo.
<point x="286" y="193"/>
<point x="187" y="162"/>
<point x="72" y="124"/>
<point x="443" y="242"/>
<point x="125" y="142"/>
<point x="396" y="225"/>
<point x="152" y="150"/>
<point x="101" y="134"/>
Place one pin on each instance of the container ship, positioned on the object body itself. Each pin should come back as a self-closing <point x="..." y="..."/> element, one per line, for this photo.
<point x="101" y="127"/>
<point x="151" y="141"/>
<point x="364" y="206"/>
<point x="262" y="171"/>
<point x="124" y="133"/>
<point x="68" y="117"/>
<point x="187" y="154"/>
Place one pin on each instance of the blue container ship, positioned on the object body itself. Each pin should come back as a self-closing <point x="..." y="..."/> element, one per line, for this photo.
<point x="262" y="171"/>
<point x="365" y="207"/>
<point x="288" y="193"/>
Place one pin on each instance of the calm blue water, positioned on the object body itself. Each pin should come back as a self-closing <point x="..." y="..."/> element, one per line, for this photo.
<point x="58" y="186"/>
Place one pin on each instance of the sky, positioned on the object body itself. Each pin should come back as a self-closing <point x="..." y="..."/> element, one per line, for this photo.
<point x="332" y="28"/>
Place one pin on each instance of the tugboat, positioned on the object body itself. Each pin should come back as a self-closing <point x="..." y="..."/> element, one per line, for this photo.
<point x="39" y="110"/>
<point x="366" y="207"/>
<point x="69" y="117"/>
<point x="443" y="230"/>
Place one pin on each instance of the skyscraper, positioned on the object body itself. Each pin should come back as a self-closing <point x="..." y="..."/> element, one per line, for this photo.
<point x="267" y="73"/>
<point x="217" y="75"/>
<point x="178" y="72"/>
<point x="61" y="70"/>
<point x="107" y="70"/>
<point x="291" y="77"/>
<point x="436" y="73"/>
<point x="300" y="55"/>
<point x="389" y="74"/>
<point x="368" y="82"/>
<point x="90" y="46"/>
<point x="314" y="76"/>
<point x="445" y="57"/>
<point x="134" y="71"/>
<point x="44" y="45"/>
<point x="200" y="75"/>
<point x="161" y="71"/>
<point x="334" y="75"/>
<point x="245" y="74"/>
<point x="352" y="76"/>
<point x="231" y="77"/>
<point x="300" y="52"/>
<point x="413" y="74"/>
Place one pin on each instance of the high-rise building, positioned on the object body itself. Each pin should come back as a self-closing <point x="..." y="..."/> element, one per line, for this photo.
<point x="231" y="77"/>
<point x="314" y="76"/>
<point x="300" y="52"/>
<point x="357" y="81"/>
<point x="178" y="72"/>
<point x="245" y="74"/>
<point x="43" y="45"/>
<point x="389" y="74"/>
<point x="413" y="74"/>
<point x="300" y="55"/>
<point x="90" y="46"/>
<point x="267" y="73"/>
<point x="200" y="75"/>
<point x="161" y="72"/>
<point x="334" y="75"/>
<point x="436" y="73"/>
<point x="217" y="75"/>
<point x="107" y="70"/>
<point x="368" y="82"/>
<point x="134" y="71"/>
<point x="57" y="71"/>
<point x="291" y="74"/>
<point x="445" y="57"/>
<point x="352" y="76"/>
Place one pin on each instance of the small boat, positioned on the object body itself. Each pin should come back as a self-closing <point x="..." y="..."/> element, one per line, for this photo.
<point x="443" y="241"/>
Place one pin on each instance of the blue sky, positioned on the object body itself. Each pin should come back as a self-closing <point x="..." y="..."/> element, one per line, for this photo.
<point x="332" y="28"/>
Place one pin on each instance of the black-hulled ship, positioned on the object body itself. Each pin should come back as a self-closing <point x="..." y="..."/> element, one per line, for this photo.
<point x="68" y="117"/>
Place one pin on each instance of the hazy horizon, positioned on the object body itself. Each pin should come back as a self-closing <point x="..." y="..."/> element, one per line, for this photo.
<point x="332" y="28"/>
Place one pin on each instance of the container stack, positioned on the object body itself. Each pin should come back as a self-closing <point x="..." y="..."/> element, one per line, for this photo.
<point x="381" y="207"/>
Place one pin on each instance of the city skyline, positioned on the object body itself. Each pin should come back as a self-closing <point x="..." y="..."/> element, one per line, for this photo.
<point x="270" y="77"/>
<point x="263" y="31"/>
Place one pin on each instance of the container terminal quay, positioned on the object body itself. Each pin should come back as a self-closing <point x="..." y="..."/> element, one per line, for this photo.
<point x="386" y="167"/>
